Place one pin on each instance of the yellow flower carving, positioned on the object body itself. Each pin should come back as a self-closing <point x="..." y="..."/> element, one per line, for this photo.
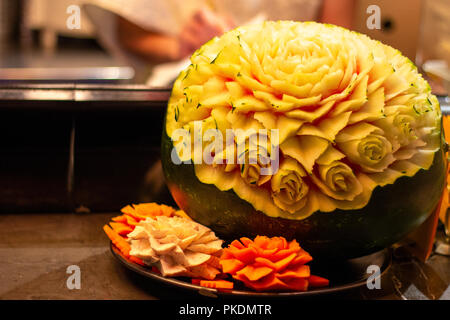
<point x="350" y="114"/>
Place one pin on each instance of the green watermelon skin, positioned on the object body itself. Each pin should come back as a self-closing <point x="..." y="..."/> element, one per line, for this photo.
<point x="392" y="212"/>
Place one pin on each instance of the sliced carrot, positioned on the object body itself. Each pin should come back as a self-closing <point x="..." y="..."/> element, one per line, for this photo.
<point x="217" y="284"/>
<point x="130" y="211"/>
<point x="277" y="266"/>
<point x="121" y="228"/>
<point x="297" y="284"/>
<point x="318" y="282"/>
<point x="275" y="254"/>
<point x="277" y="243"/>
<point x="265" y="253"/>
<point x="294" y="245"/>
<point x="167" y="211"/>
<point x="246" y="241"/>
<point x="226" y="254"/>
<point x="146" y="207"/>
<point x="300" y="271"/>
<point x="254" y="273"/>
<point x="446" y="125"/>
<point x="261" y="261"/>
<point x="118" y="241"/>
<point x="268" y="283"/>
<point x="283" y="263"/>
<point x="127" y="210"/>
<point x="245" y="255"/>
<point x="145" y="210"/>
<point x="131" y="220"/>
<point x="121" y="218"/>
<point x="231" y="265"/>
<point x="136" y="260"/>
<point x="237" y="244"/>
<point x="152" y="209"/>
<point x="261" y="241"/>
<point x="284" y="243"/>
<point x="302" y="258"/>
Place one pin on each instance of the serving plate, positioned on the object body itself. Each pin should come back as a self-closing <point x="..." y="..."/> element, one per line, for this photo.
<point x="343" y="275"/>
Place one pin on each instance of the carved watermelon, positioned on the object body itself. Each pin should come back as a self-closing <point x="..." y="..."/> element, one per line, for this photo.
<point x="351" y="126"/>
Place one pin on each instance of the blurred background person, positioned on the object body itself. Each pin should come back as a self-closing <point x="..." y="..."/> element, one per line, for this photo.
<point x="209" y="20"/>
<point x="150" y="32"/>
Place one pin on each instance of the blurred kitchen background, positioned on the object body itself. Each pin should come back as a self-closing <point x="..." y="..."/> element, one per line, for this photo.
<point x="81" y="116"/>
<point x="34" y="36"/>
<point x="36" y="45"/>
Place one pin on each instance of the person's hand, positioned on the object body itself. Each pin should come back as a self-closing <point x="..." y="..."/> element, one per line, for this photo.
<point x="203" y="26"/>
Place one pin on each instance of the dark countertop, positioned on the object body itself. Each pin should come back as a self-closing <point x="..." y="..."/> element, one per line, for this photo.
<point x="36" y="249"/>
